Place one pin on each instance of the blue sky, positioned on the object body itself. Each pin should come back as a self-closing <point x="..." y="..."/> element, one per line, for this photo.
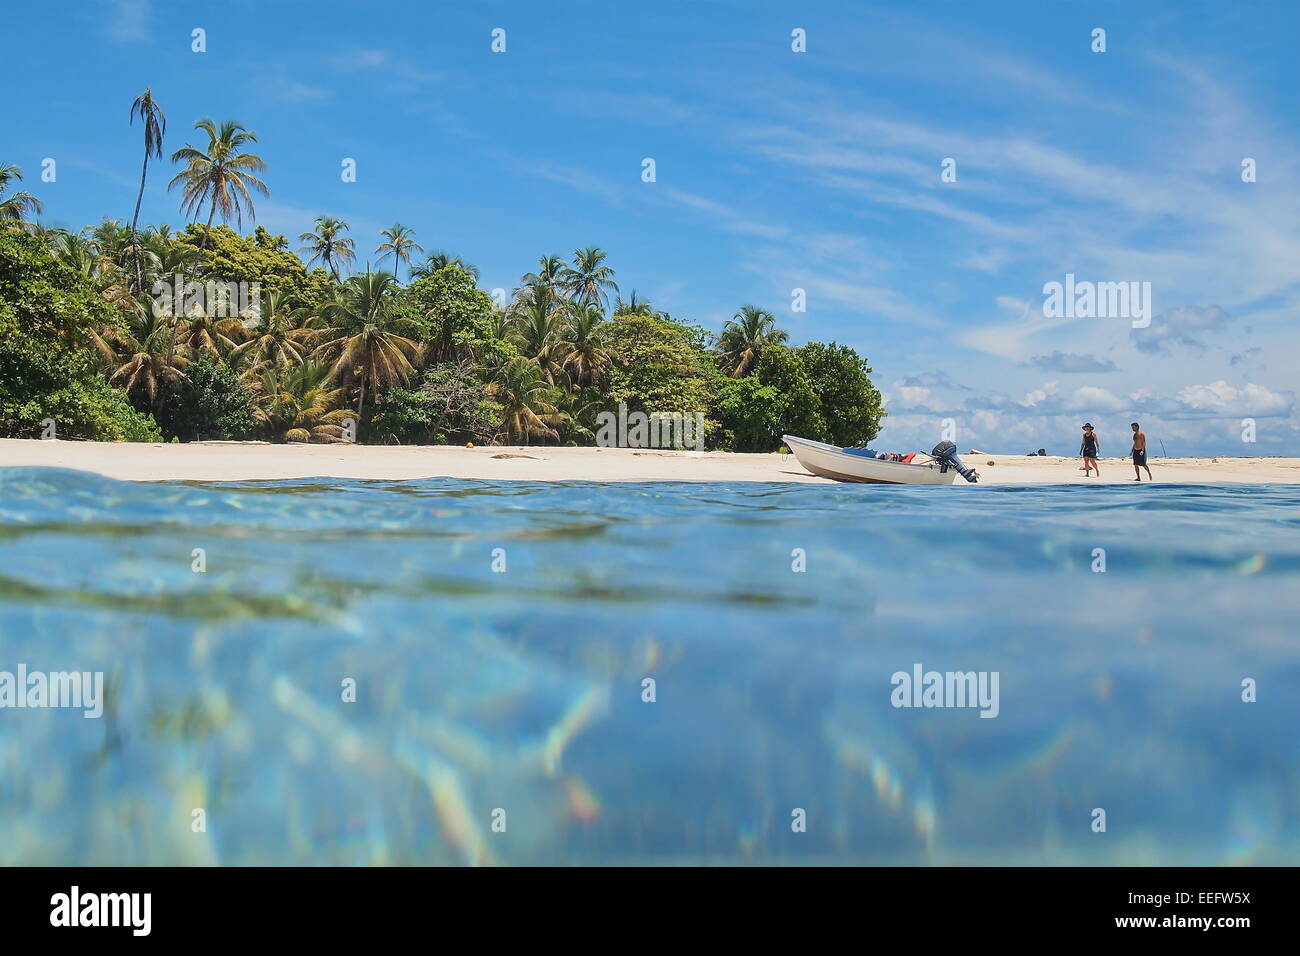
<point x="775" y="170"/>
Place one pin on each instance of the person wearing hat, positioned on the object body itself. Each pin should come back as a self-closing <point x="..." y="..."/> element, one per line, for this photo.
<point x="1089" y="449"/>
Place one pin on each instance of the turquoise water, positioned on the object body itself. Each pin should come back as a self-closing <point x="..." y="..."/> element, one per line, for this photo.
<point x="522" y="690"/>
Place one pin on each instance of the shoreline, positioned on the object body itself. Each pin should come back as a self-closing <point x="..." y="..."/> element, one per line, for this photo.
<point x="244" y="461"/>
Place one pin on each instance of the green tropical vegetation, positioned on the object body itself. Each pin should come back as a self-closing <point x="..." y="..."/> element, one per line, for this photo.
<point x="118" y="332"/>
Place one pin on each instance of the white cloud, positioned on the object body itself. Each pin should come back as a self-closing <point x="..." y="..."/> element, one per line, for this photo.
<point x="1090" y="396"/>
<point x="1223" y="399"/>
<point x="914" y="396"/>
<point x="1039" y="395"/>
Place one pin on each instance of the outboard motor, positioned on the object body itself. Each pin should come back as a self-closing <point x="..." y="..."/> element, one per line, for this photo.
<point x="945" y="453"/>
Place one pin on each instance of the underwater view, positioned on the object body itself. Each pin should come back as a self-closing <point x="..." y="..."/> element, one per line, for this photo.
<point x="441" y="671"/>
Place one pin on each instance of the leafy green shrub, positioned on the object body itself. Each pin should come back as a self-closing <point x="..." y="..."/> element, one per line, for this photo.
<point x="448" y="404"/>
<point x="130" y="424"/>
<point x="850" y="404"/>
<point x="48" y="312"/>
<point x="210" y="404"/>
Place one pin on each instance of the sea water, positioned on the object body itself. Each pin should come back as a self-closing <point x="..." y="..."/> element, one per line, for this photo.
<point x="442" y="671"/>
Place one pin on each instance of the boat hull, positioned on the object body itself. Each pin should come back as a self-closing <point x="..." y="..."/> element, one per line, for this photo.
<point x="828" y="461"/>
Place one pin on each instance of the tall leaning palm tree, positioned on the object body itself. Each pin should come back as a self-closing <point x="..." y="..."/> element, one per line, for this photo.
<point x="155" y="128"/>
<point x="400" y="244"/>
<point x="589" y="279"/>
<point x="328" y="246"/>
<point x="15" y="207"/>
<point x="220" y="175"/>
<point x="744" y="336"/>
<point x="364" y="340"/>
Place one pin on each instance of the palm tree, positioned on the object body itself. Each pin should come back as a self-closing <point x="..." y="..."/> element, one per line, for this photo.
<point x="526" y="399"/>
<point x="155" y="127"/>
<point x="540" y="329"/>
<point x="580" y="355"/>
<point x="138" y="356"/>
<point x="589" y="278"/>
<point x="76" y="251"/>
<point x="219" y="175"/>
<point x="166" y="258"/>
<point x="15" y="207"/>
<point x="744" y="336"/>
<point x="365" y="342"/>
<point x="441" y="260"/>
<point x="91" y="252"/>
<point x="633" y="306"/>
<point x="280" y="337"/>
<point x="501" y="326"/>
<point x="298" y="403"/>
<point x="327" y="245"/>
<point x="399" y="245"/>
<point x="167" y="261"/>
<point x="49" y="235"/>
<point x="207" y="333"/>
<point x="112" y="239"/>
<point x="549" y="274"/>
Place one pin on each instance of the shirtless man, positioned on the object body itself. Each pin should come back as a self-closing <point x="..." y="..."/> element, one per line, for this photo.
<point x="1140" y="453"/>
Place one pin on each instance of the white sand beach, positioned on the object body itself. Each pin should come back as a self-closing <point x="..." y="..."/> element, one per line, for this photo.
<point x="245" y="461"/>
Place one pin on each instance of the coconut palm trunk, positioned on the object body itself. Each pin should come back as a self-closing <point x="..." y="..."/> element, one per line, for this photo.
<point x="135" y="219"/>
<point x="207" y="230"/>
<point x="361" y="404"/>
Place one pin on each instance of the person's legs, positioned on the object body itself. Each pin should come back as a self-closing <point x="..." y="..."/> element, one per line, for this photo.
<point x="1140" y="461"/>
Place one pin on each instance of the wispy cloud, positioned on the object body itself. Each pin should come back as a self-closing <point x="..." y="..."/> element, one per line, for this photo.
<point x="294" y="91"/>
<point x="384" y="63"/>
<point x="1186" y="327"/>
<point x="1071" y="363"/>
<point x="724" y="215"/>
<point x="128" y="21"/>
<point x="565" y="174"/>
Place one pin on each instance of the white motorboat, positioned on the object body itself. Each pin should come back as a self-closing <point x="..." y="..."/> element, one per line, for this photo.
<point x="941" y="467"/>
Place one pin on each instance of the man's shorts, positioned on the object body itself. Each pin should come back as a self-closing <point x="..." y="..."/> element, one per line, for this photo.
<point x="1139" y="457"/>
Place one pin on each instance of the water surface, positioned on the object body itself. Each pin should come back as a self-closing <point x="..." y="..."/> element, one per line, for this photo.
<point x="521" y="690"/>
